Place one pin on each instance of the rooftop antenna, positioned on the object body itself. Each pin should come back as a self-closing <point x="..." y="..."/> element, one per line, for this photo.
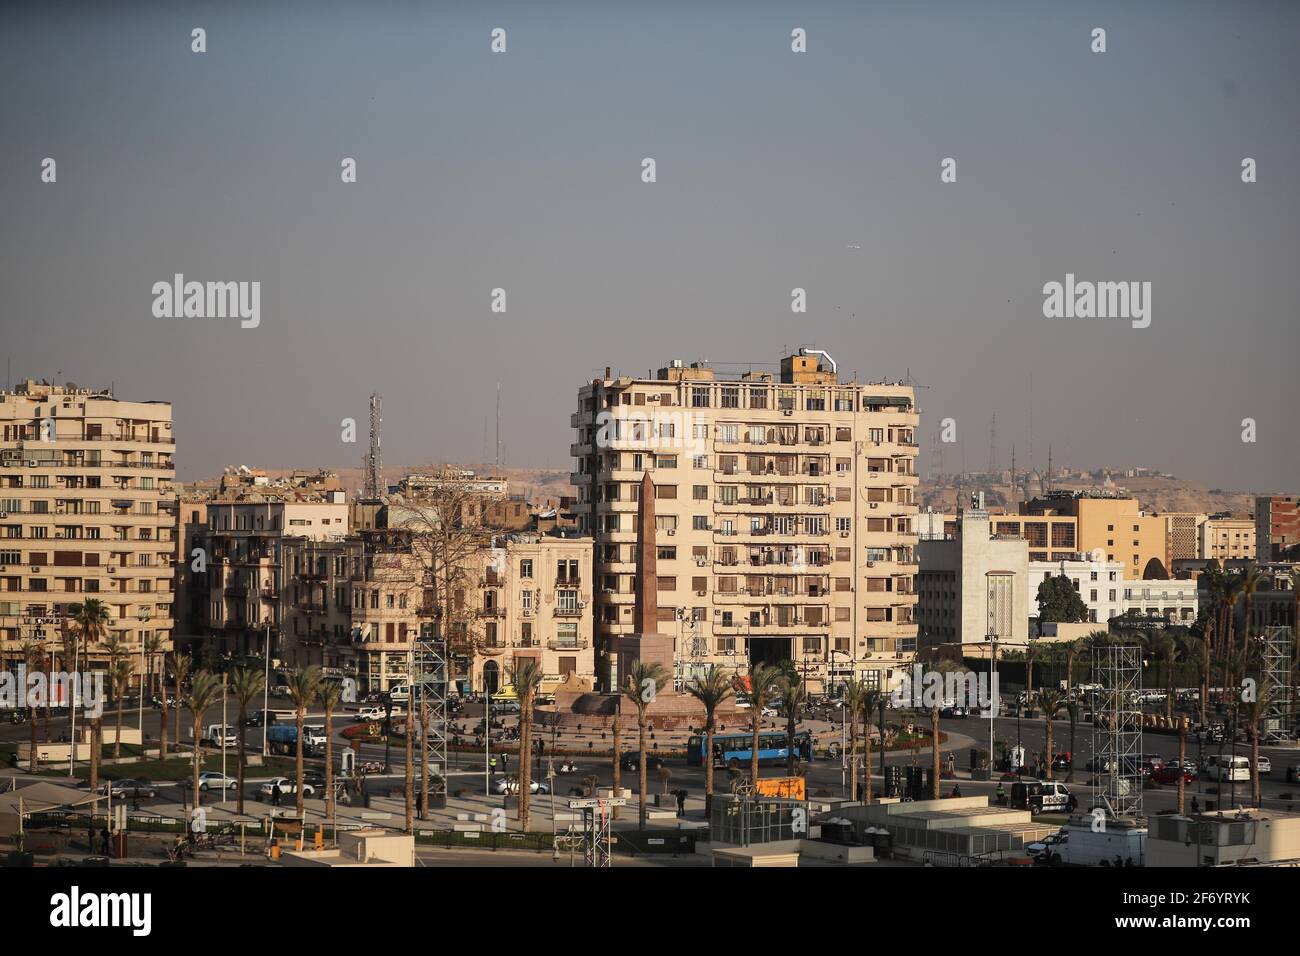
<point x="1014" y="496"/>
<point x="498" y="468"/>
<point x="1031" y="421"/>
<point x="1049" y="466"/>
<point x="374" y="460"/>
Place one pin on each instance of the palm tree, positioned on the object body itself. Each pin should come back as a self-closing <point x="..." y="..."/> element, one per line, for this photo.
<point x="245" y="686"/>
<point x="527" y="677"/>
<point x="763" y="683"/>
<point x="34" y="656"/>
<point x="1182" y="763"/>
<point x="152" y="648"/>
<point x="329" y="695"/>
<point x="1164" y="646"/>
<point x="91" y="618"/>
<point x="116" y="648"/>
<point x="121" y="677"/>
<point x="205" y="688"/>
<point x="792" y="694"/>
<point x="644" y="682"/>
<point x="1255" y="711"/>
<point x="180" y="666"/>
<point x="614" y="733"/>
<point x="854" y="691"/>
<point x="1051" y="702"/>
<point x="871" y="700"/>
<point x="936" y="772"/>
<point x="1072" y="712"/>
<point x="1031" y="649"/>
<point x="1072" y="650"/>
<point x="712" y="690"/>
<point x="303" y="685"/>
<point x="96" y="748"/>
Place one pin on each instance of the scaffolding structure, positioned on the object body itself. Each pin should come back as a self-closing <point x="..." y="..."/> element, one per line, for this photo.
<point x="429" y="688"/>
<point x="1117" y="729"/>
<point x="1275" y="685"/>
<point x="597" y="834"/>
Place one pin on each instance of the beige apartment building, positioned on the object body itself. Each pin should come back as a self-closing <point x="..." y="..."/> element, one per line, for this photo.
<point x="783" y="506"/>
<point x="1115" y="525"/>
<point x="1227" y="537"/>
<point x="86" y="511"/>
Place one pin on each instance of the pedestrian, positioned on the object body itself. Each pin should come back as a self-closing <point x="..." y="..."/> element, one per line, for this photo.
<point x="956" y="790"/>
<point x="505" y="763"/>
<point x="104" y="836"/>
<point x="1196" y="805"/>
<point x="275" y="794"/>
<point x="681" y="802"/>
<point x="90" y="835"/>
<point x="1001" y="794"/>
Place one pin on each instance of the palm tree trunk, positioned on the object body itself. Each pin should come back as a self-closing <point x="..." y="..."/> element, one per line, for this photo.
<point x="329" y="767"/>
<point x="618" y="777"/>
<point x="789" y="742"/>
<point x="162" y="729"/>
<point x="1205" y="673"/>
<point x="301" y="714"/>
<point x="708" y="765"/>
<point x="94" y="755"/>
<point x="178" y="717"/>
<point x="117" y="743"/>
<point x="525" y="762"/>
<point x="31" y="719"/>
<point x="1050" y="755"/>
<point x="934" y="752"/>
<point x="866" y="762"/>
<point x="239" y="770"/>
<point x="196" y="761"/>
<point x="753" y="754"/>
<point x="853" y="756"/>
<point x="1182" y="764"/>
<point x="641" y="768"/>
<point x="1254" y="761"/>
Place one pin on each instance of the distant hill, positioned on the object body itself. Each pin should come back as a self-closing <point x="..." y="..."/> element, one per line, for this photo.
<point x="1154" y="493"/>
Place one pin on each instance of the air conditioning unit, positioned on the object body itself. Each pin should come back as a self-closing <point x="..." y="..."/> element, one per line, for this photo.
<point x="36" y="569"/>
<point x="871" y="564"/>
<point x="844" y="534"/>
<point x="672" y="531"/>
<point x="787" y="411"/>
<point x="701" y="593"/>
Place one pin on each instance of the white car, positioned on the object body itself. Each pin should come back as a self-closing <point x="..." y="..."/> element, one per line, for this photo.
<point x="511" y="785"/>
<point x="285" y="786"/>
<point x="770" y="712"/>
<point x="1265" y="765"/>
<point x="1051" y="844"/>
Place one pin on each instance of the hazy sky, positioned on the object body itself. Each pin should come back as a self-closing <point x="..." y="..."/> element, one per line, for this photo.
<point x="775" y="170"/>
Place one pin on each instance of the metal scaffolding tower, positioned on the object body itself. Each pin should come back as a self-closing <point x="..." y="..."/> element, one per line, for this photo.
<point x="1275" y="685"/>
<point x="597" y="836"/>
<point x="429" y="687"/>
<point x="1117" y="729"/>
<point x="374" y="459"/>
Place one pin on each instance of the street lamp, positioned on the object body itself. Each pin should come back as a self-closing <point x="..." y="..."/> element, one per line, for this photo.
<point x="266" y="685"/>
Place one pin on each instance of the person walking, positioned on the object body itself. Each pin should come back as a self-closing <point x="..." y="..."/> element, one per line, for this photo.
<point x="275" y="794"/>
<point x="681" y="802"/>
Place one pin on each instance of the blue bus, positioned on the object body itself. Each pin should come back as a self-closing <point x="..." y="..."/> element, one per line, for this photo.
<point x="735" y="750"/>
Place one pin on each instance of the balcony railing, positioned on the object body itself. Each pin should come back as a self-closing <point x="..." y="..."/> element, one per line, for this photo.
<point x="566" y="644"/>
<point x="568" y="612"/>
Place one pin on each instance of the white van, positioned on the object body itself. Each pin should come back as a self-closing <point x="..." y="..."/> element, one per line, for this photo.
<point x="1227" y="767"/>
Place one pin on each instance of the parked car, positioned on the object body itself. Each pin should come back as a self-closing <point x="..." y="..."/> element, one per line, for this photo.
<point x="511" y="785"/>
<point x="770" y="712"/>
<point x="1293" y="773"/>
<point x="1169" y="774"/>
<point x="373" y="713"/>
<point x="211" y="780"/>
<point x="262" y="716"/>
<point x="953" y="712"/>
<point x="631" y="761"/>
<point x="1229" y="767"/>
<point x="1062" y="761"/>
<point x="1265" y="765"/>
<point x="1048" y="845"/>
<point x="134" y="789"/>
<point x="314" y="779"/>
<point x="286" y="786"/>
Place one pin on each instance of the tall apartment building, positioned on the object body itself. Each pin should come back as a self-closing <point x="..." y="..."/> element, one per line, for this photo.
<point x="1277" y="527"/>
<point x="86" y="511"/>
<point x="1227" y="537"/>
<point x="783" y="507"/>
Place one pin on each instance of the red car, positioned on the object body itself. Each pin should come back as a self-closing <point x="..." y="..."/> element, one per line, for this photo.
<point x="1169" y="775"/>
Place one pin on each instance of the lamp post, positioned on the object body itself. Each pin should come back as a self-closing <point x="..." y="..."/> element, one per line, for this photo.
<point x="143" y="614"/>
<point x="72" y="706"/>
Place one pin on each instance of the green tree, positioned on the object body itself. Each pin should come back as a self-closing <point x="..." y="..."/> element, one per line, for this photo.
<point x="1059" y="601"/>
<point x="641" y="687"/>
<point x="205" y="688"/>
<point x="763" y="683"/>
<point x="121" y="677"/>
<point x="180" y="667"/>
<point x="330" y="694"/>
<point x="792" y="694"/>
<point x="1051" y="702"/>
<point x="303" y="685"/>
<point x="527" y="677"/>
<point x="712" y="690"/>
<point x="246" y="686"/>
<point x="852" y="698"/>
<point x="34" y="657"/>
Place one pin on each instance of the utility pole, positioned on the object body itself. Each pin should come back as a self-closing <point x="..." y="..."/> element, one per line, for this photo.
<point x="374" y="459"/>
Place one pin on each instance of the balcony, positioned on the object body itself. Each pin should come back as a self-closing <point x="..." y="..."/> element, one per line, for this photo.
<point x="491" y="612"/>
<point x="568" y="582"/>
<point x="570" y="612"/>
<point x="565" y="644"/>
<point x="494" y="648"/>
